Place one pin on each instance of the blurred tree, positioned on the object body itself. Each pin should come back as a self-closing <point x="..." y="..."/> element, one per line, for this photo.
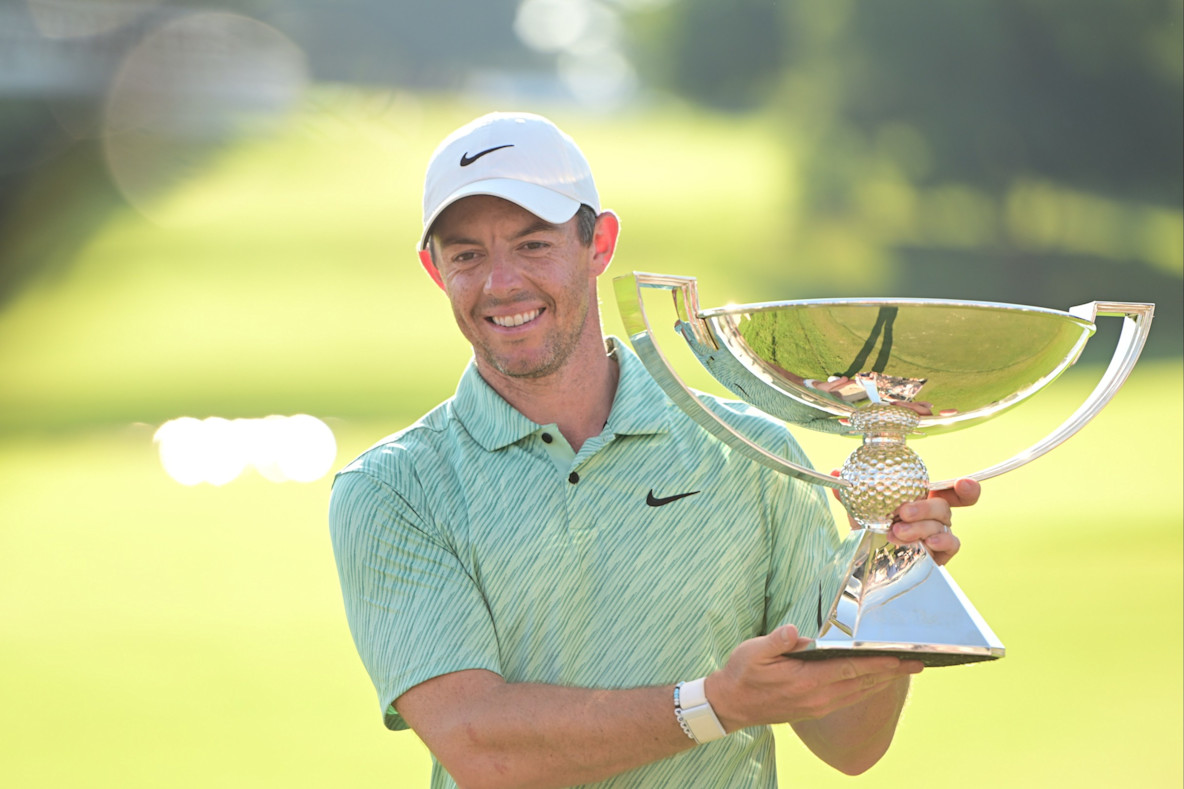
<point x="995" y="149"/>
<point x="1084" y="92"/>
<point x="725" y="55"/>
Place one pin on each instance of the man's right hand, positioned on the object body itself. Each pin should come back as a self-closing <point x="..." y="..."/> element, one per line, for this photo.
<point x="763" y="683"/>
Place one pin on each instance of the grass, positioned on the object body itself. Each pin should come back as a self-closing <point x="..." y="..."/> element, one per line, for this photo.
<point x="159" y="635"/>
<point x="1075" y="561"/>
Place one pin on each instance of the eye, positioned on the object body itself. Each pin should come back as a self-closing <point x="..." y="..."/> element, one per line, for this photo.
<point x="467" y="256"/>
<point x="534" y="246"/>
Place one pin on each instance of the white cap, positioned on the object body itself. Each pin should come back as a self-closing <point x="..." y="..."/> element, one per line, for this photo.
<point x="520" y="157"/>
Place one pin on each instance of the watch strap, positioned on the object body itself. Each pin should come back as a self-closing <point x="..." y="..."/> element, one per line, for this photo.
<point x="694" y="712"/>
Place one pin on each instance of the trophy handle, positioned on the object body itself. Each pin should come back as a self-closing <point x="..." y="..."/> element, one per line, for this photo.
<point x="1136" y="322"/>
<point x="627" y="289"/>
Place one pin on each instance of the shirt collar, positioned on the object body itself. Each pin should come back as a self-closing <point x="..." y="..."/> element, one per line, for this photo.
<point x="639" y="408"/>
<point x="491" y="421"/>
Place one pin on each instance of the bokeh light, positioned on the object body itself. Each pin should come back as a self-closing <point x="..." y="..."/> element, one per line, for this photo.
<point x="216" y="451"/>
<point x="552" y="25"/>
<point x="189" y="87"/>
<point x="585" y="36"/>
<point x="598" y="78"/>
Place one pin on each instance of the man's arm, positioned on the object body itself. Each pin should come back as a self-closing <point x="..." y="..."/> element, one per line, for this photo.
<point x="854" y="738"/>
<point x="490" y="733"/>
<point x="487" y="732"/>
<point x="845" y="713"/>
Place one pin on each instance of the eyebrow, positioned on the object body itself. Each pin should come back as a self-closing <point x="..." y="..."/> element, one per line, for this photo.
<point x="537" y="226"/>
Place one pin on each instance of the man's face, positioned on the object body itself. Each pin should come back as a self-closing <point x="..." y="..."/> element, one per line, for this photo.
<point x="521" y="288"/>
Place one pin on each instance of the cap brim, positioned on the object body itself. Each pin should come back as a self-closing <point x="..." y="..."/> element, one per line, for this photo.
<point x="544" y="203"/>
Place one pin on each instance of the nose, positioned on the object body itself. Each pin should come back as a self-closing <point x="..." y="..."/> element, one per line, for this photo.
<point x="504" y="276"/>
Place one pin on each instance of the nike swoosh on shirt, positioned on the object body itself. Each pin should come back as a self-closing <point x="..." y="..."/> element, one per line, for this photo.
<point x="655" y="501"/>
<point x="466" y="160"/>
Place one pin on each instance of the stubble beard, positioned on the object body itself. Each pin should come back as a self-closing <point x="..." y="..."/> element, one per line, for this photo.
<point x="558" y="348"/>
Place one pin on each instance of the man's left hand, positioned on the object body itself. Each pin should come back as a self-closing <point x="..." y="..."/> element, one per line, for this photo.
<point x="929" y="520"/>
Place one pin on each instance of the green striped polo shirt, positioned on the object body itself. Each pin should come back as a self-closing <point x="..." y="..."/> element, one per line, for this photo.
<point x="477" y="539"/>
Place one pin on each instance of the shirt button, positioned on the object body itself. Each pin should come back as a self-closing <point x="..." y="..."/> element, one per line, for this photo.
<point x="573" y="478"/>
<point x="547" y="438"/>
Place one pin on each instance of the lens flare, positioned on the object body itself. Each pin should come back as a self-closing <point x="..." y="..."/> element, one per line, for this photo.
<point x="185" y="91"/>
<point x="217" y="451"/>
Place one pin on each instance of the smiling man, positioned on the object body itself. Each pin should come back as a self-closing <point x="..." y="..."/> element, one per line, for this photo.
<point x="555" y="578"/>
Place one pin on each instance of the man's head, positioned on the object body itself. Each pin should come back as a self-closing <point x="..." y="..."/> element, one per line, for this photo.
<point x="514" y="235"/>
<point x="518" y="157"/>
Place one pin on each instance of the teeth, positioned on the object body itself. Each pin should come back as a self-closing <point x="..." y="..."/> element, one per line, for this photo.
<point x="515" y="320"/>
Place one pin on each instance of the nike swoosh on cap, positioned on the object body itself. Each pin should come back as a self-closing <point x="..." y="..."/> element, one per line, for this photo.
<point x="655" y="501"/>
<point x="466" y="160"/>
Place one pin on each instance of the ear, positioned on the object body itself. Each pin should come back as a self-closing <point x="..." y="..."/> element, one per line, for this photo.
<point x="425" y="258"/>
<point x="604" y="241"/>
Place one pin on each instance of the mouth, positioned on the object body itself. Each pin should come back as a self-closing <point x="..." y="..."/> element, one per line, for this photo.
<point x="512" y="321"/>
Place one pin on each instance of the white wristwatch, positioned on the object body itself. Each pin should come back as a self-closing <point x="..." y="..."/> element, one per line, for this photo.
<point x="694" y="712"/>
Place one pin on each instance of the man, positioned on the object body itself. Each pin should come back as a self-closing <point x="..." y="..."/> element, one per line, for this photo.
<point x="555" y="578"/>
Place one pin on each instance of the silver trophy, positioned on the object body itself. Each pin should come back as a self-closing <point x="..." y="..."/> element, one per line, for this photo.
<point x="882" y="369"/>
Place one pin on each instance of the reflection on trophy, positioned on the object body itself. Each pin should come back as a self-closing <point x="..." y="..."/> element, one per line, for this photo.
<point x="882" y="369"/>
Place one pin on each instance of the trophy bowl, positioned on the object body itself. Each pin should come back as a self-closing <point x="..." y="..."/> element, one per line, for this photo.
<point x="882" y="369"/>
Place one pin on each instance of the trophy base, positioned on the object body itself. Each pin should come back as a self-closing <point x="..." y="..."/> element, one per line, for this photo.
<point x="928" y="655"/>
<point x="895" y="600"/>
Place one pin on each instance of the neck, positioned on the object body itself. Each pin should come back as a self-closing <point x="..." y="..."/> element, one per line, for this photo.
<point x="577" y="398"/>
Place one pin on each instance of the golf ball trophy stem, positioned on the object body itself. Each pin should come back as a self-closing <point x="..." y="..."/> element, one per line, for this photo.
<point x="884" y="472"/>
<point x="873" y="357"/>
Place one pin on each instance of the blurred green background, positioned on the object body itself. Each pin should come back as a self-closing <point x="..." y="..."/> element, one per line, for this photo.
<point x="211" y="210"/>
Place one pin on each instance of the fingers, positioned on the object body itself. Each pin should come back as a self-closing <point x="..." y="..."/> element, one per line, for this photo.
<point x="823" y="686"/>
<point x="943" y="546"/>
<point x="790" y="689"/>
<point x="922" y="519"/>
<point x="866" y="685"/>
<point x="965" y="493"/>
<point x="866" y="671"/>
<point x="764" y="650"/>
<point x="929" y="521"/>
<point x="863" y="674"/>
<point x="783" y="640"/>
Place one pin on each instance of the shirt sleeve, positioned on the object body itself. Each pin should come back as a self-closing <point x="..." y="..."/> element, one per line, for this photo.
<point x="413" y="609"/>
